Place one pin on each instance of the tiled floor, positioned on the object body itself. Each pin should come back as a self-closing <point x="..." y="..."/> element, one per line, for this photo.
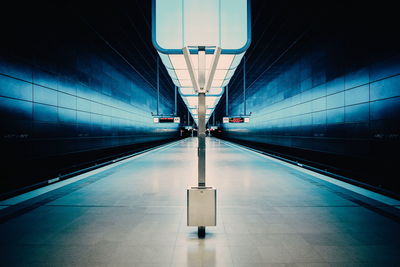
<point x="135" y="215"/>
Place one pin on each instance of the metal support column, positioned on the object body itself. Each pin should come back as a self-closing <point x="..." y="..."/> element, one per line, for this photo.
<point x="158" y="86"/>
<point x="214" y="118"/>
<point x="244" y="85"/>
<point x="202" y="140"/>
<point x="201" y="231"/>
<point x="176" y="104"/>
<point x="202" y="116"/>
<point x="227" y="101"/>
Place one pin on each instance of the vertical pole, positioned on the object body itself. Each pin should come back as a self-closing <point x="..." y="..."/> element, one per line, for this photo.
<point x="202" y="140"/>
<point x="158" y="86"/>
<point x="188" y="118"/>
<point x="244" y="85"/>
<point x="214" y="118"/>
<point x="227" y="101"/>
<point x="201" y="68"/>
<point x="176" y="99"/>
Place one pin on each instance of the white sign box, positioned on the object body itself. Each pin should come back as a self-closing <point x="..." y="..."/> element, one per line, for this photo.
<point x="201" y="207"/>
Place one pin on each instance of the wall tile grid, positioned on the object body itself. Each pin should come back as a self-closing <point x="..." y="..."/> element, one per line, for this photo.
<point x="353" y="100"/>
<point x="36" y="103"/>
<point x="67" y="98"/>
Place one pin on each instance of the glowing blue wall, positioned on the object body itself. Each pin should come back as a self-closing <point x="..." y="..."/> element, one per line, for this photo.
<point x="323" y="90"/>
<point x="72" y="92"/>
<point x="113" y="109"/>
<point x="342" y="115"/>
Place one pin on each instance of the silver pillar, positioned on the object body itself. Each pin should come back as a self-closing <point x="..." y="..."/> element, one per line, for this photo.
<point x="158" y="86"/>
<point x="202" y="140"/>
<point x="201" y="78"/>
<point x="244" y="85"/>
<point x="176" y="100"/>
<point x="227" y="101"/>
<point x="214" y="118"/>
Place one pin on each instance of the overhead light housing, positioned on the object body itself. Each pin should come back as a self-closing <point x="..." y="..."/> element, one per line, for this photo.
<point x="208" y="23"/>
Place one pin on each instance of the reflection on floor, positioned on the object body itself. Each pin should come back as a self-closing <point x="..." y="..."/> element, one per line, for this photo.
<point x="135" y="215"/>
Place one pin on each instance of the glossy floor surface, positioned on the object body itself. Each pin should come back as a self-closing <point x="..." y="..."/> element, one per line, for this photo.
<point x="135" y="215"/>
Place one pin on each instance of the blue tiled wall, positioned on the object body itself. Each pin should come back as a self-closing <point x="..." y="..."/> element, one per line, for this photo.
<point x="334" y="92"/>
<point x="66" y="92"/>
<point x="37" y="104"/>
<point x="351" y="102"/>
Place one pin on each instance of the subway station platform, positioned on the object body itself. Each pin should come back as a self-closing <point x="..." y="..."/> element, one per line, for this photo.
<point x="133" y="213"/>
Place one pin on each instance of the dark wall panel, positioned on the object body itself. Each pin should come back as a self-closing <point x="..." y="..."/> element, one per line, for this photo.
<point x="76" y="90"/>
<point x="326" y="90"/>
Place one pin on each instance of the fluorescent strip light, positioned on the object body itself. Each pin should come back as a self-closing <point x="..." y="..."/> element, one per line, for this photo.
<point x="220" y="74"/>
<point x="192" y="100"/>
<point x="210" y="100"/>
<point x="216" y="91"/>
<point x="186" y="83"/>
<point x="186" y="91"/>
<point x="178" y="62"/>
<point x="225" y="62"/>
<point x="182" y="74"/>
<point x="217" y="83"/>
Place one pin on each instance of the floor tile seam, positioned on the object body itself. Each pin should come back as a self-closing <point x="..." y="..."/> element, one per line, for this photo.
<point x="41" y="200"/>
<point x="176" y="241"/>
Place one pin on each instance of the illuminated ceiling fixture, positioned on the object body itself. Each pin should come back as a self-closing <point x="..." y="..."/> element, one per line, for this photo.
<point x="210" y="24"/>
